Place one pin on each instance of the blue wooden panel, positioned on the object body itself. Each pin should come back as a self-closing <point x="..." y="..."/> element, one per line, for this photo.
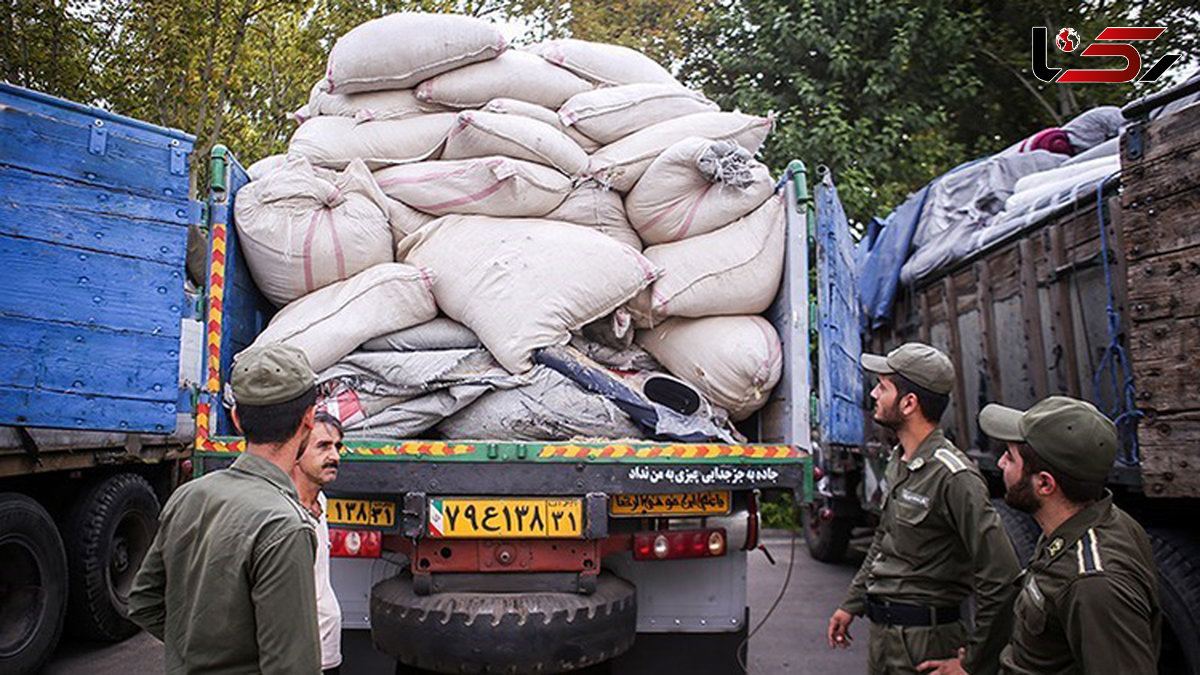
<point x="53" y="211"/>
<point x="63" y="358"/>
<point x="840" y="379"/>
<point x="93" y="235"/>
<point x="65" y="285"/>
<point x="58" y="142"/>
<point x="246" y="310"/>
<point x="39" y="408"/>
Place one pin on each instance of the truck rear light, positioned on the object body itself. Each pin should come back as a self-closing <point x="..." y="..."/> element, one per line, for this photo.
<point x="679" y="544"/>
<point x="345" y="543"/>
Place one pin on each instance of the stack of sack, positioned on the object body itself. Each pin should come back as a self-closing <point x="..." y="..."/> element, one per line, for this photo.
<point x="449" y="205"/>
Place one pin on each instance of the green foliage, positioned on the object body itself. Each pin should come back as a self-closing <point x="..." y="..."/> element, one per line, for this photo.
<point x="779" y="512"/>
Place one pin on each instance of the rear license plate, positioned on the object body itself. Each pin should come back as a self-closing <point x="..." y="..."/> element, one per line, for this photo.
<point x="521" y="518"/>
<point x="367" y="512"/>
<point x="712" y="503"/>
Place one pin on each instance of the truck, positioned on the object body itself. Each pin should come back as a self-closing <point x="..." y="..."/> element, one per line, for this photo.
<point x="99" y="350"/>
<point x="622" y="556"/>
<point x="1098" y="300"/>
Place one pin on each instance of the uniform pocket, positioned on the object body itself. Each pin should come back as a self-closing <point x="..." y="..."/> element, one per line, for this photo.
<point x="910" y="514"/>
<point x="1030" y="607"/>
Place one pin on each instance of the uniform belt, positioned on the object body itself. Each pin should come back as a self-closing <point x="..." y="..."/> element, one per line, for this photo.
<point x="897" y="614"/>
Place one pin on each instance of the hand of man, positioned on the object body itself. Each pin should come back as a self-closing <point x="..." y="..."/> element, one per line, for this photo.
<point x="943" y="667"/>
<point x="839" y="629"/>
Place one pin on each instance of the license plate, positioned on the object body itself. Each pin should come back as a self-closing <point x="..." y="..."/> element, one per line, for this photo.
<point x="715" y="502"/>
<point x="361" y="512"/>
<point x="505" y="517"/>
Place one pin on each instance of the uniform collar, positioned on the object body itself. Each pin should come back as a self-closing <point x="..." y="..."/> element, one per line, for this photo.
<point x="925" y="450"/>
<point x="1065" y="536"/>
<point x="263" y="468"/>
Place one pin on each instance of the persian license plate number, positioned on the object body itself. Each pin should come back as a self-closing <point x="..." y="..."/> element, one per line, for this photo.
<point x="368" y="512"/>
<point x="523" y="518"/>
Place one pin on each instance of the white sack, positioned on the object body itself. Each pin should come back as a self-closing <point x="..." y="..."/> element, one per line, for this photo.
<point x="603" y="63"/>
<point x="400" y="50"/>
<point x="392" y="104"/>
<point x="511" y="106"/>
<point x="696" y="186"/>
<point x="265" y="166"/>
<point x="612" y="113"/>
<point x="492" y="186"/>
<point x="332" y="322"/>
<point x="404" y="219"/>
<point x="303" y="228"/>
<point x="734" y="360"/>
<point x="592" y="205"/>
<point x="483" y="134"/>
<point x="440" y="334"/>
<point x="621" y="164"/>
<point x="733" y="270"/>
<point x="523" y="284"/>
<point x="513" y="74"/>
<point x="333" y="141"/>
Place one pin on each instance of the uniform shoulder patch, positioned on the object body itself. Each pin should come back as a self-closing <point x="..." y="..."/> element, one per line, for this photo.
<point x="950" y="459"/>
<point x="1087" y="553"/>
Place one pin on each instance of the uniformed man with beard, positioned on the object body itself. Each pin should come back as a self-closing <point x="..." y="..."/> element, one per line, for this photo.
<point x="1088" y="604"/>
<point x="938" y="541"/>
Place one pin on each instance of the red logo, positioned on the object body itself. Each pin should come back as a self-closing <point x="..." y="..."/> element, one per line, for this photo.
<point x="1111" y="42"/>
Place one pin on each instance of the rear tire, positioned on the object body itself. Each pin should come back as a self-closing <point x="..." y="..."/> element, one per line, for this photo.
<point x="33" y="585"/>
<point x="827" y="539"/>
<point x="1177" y="557"/>
<point x="109" y="530"/>
<point x="1022" y="530"/>
<point x="535" y="632"/>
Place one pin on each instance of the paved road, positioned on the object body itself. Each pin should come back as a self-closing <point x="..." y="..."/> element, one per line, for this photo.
<point x="791" y="642"/>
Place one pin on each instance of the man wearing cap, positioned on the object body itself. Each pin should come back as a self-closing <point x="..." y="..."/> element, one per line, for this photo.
<point x="1088" y="604"/>
<point x="939" y="539"/>
<point x="227" y="584"/>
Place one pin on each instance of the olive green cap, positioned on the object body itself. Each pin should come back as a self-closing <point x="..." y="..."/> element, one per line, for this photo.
<point x="919" y="363"/>
<point x="1068" y="434"/>
<point x="271" y="374"/>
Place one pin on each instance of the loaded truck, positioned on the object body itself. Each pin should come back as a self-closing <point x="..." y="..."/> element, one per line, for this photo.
<point x="449" y="553"/>
<point x="1099" y="299"/>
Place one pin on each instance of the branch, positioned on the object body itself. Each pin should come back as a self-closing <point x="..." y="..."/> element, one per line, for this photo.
<point x="1021" y="78"/>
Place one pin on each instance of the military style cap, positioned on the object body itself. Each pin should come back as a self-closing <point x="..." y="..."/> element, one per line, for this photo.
<point x="919" y="363"/>
<point x="1070" y="435"/>
<point x="271" y="374"/>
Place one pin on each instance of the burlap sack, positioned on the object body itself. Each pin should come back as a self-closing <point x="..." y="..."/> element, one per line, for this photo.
<point x="592" y="205"/>
<point x="483" y="134"/>
<point x="734" y="360"/>
<point x="332" y="142"/>
<point x="612" y="113"/>
<point x="522" y="284"/>
<point x="603" y="63"/>
<point x="399" y="51"/>
<point x="492" y="186"/>
<point x="514" y="74"/>
<point x="511" y="106"/>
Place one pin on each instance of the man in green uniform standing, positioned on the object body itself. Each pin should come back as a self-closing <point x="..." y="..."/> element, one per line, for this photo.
<point x="1088" y="604"/>
<point x="228" y="582"/>
<point x="939" y="539"/>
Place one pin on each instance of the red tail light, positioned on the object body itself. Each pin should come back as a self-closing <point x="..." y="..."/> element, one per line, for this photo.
<point x="355" y="543"/>
<point x="679" y="544"/>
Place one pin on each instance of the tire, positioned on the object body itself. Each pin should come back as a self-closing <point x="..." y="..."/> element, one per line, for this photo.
<point x="33" y="588"/>
<point x="503" y="632"/>
<point x="108" y="531"/>
<point x="1177" y="556"/>
<point x="827" y="539"/>
<point x="1023" y="530"/>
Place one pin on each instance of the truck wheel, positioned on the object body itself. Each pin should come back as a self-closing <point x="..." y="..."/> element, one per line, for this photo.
<point x="827" y="535"/>
<point x="108" y="532"/>
<point x="1023" y="531"/>
<point x="33" y="585"/>
<point x="503" y="632"/>
<point x="1177" y="557"/>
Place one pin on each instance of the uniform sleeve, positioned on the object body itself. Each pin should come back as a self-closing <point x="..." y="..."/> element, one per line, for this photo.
<point x="1109" y="627"/>
<point x="994" y="566"/>
<point x="855" y="601"/>
<point x="147" y="596"/>
<point x="285" y="605"/>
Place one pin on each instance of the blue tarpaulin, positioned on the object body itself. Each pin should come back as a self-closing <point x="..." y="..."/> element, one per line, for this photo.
<point x="879" y="275"/>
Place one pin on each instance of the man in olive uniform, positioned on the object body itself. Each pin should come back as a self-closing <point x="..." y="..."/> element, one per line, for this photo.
<point x="939" y="539"/>
<point x="228" y="582"/>
<point x="1088" y="604"/>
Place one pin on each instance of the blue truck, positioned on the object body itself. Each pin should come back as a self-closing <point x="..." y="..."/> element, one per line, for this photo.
<point x="116" y="356"/>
